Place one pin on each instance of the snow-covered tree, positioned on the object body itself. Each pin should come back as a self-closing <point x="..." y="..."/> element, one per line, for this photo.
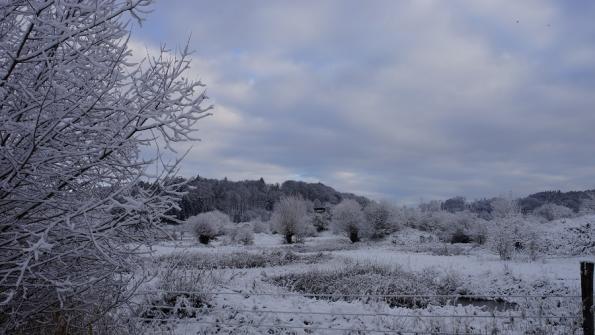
<point x="75" y="191"/>
<point x="349" y="218"/>
<point x="290" y="218"/>
<point x="504" y="207"/>
<point x="514" y="235"/>
<point x="207" y="226"/>
<point x="553" y="212"/>
<point x="381" y="218"/>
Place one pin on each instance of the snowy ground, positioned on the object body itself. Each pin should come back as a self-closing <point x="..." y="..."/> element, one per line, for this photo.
<point x="245" y="301"/>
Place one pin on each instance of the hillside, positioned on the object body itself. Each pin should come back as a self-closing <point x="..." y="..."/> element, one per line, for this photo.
<point x="572" y="199"/>
<point x="250" y="199"/>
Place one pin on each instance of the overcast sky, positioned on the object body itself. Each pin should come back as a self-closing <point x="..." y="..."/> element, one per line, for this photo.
<point x="392" y="99"/>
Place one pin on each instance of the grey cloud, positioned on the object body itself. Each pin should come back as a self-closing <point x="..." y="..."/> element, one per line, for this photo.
<point x="399" y="100"/>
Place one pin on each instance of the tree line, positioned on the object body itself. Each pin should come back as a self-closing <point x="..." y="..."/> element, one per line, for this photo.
<point x="250" y="199"/>
<point x="575" y="201"/>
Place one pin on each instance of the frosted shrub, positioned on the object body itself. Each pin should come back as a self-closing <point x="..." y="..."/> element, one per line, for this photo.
<point x="458" y="227"/>
<point x="512" y="236"/>
<point x="552" y="212"/>
<point x="205" y="230"/>
<point x="461" y="228"/>
<point x="479" y="231"/>
<point x="459" y="236"/>
<point x="576" y="240"/>
<point x="348" y="218"/>
<point x="431" y="221"/>
<point x="80" y="123"/>
<point x="532" y="245"/>
<point x="221" y="219"/>
<point x="381" y="218"/>
<point x="503" y="244"/>
<point x="259" y="226"/>
<point x="321" y="221"/>
<point x="183" y="287"/>
<point x="411" y="217"/>
<point x="308" y="231"/>
<point x="290" y="218"/>
<point x="244" y="235"/>
<point x="206" y="226"/>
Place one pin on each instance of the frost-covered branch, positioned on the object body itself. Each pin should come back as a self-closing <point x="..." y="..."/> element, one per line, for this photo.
<point x="77" y="123"/>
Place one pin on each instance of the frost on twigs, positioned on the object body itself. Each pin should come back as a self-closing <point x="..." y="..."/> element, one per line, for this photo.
<point x="74" y="192"/>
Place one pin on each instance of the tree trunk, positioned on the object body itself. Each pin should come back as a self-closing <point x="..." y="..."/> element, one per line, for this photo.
<point x="288" y="238"/>
<point x="353" y="236"/>
<point x="204" y="239"/>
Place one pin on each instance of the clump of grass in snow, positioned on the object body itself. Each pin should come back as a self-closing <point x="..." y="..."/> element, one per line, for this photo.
<point x="242" y="260"/>
<point x="373" y="280"/>
<point x="334" y="245"/>
<point x="183" y="288"/>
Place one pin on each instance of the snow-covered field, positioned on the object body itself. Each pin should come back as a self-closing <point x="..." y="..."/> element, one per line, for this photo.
<point x="405" y="287"/>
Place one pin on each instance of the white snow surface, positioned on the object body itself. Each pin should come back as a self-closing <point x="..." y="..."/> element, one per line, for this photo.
<point x="480" y="270"/>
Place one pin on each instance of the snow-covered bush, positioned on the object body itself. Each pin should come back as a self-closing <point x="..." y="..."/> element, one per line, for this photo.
<point x="183" y="287"/>
<point x="204" y="230"/>
<point x="321" y="221"/>
<point x="79" y="123"/>
<point x="259" y="226"/>
<point x="502" y="241"/>
<point x="479" y="231"/>
<point x="349" y="218"/>
<point x="381" y="218"/>
<point x="581" y="239"/>
<point x="569" y="237"/>
<point x="459" y="236"/>
<point x="207" y="226"/>
<point x="427" y="221"/>
<point x="290" y="218"/>
<point x="244" y="234"/>
<point x="457" y="227"/>
<point x="412" y="217"/>
<point x="552" y="212"/>
<point x="512" y="236"/>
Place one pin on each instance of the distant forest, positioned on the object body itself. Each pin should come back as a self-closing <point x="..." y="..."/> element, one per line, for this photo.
<point x="573" y="199"/>
<point x="252" y="199"/>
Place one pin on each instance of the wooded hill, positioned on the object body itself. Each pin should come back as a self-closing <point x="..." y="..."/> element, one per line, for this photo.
<point x="252" y="199"/>
<point x="572" y="199"/>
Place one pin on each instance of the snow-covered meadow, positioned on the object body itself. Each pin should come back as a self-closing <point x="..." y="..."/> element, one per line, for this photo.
<point x="108" y="224"/>
<point x="326" y="284"/>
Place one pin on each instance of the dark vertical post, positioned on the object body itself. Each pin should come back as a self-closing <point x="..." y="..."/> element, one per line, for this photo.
<point x="587" y="295"/>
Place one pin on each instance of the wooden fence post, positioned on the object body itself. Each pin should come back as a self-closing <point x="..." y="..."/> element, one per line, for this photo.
<point x="587" y="297"/>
